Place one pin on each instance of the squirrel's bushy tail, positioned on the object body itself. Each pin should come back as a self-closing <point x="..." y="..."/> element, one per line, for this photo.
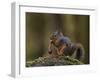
<point x="80" y="52"/>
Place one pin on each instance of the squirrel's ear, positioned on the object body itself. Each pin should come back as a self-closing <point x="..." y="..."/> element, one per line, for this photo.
<point x="60" y="33"/>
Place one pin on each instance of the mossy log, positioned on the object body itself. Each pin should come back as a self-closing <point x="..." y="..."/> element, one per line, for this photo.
<point x="53" y="61"/>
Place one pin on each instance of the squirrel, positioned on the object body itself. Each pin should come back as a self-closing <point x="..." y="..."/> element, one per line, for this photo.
<point x="64" y="46"/>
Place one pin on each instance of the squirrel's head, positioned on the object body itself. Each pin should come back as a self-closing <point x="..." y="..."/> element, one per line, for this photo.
<point x="56" y="35"/>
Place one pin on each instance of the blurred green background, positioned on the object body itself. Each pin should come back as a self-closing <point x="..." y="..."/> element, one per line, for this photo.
<point x="39" y="27"/>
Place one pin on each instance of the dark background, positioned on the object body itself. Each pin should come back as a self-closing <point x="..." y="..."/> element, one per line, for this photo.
<point x="39" y="27"/>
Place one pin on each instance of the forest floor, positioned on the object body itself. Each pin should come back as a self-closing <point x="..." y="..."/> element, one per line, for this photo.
<point x="53" y="61"/>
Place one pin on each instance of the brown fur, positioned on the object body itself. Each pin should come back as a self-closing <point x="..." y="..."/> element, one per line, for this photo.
<point x="68" y="48"/>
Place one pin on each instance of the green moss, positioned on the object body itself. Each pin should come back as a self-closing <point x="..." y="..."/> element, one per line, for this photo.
<point x="53" y="61"/>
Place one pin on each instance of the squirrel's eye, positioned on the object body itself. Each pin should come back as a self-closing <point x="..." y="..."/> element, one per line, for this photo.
<point x="54" y="35"/>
